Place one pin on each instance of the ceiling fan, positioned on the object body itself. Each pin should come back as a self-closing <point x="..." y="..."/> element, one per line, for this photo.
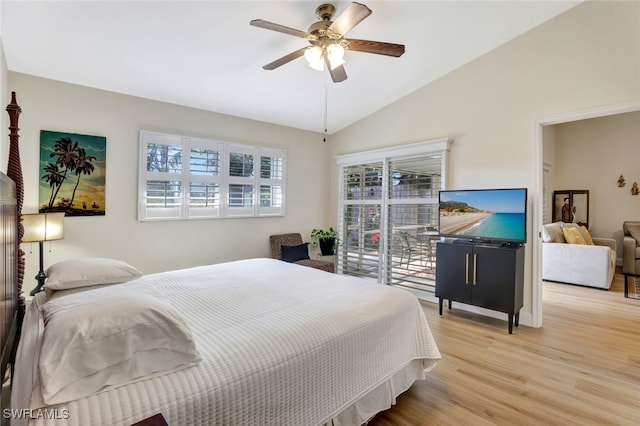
<point x="327" y="41"/>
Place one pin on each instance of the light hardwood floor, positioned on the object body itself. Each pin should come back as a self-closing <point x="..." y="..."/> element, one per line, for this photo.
<point x="581" y="368"/>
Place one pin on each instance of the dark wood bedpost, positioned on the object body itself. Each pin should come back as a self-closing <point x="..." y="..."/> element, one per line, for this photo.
<point x="14" y="171"/>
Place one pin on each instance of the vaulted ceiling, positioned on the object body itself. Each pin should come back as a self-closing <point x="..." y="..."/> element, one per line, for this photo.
<point x="206" y="55"/>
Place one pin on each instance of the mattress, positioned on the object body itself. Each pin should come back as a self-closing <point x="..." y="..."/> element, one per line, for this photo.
<point x="282" y="344"/>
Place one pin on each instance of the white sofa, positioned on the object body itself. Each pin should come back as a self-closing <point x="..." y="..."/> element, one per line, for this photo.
<point x="583" y="264"/>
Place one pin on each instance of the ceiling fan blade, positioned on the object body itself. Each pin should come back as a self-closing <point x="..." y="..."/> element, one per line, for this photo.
<point x="285" y="59"/>
<point x="261" y="23"/>
<point x="377" y="47"/>
<point x="338" y="74"/>
<point x="352" y="16"/>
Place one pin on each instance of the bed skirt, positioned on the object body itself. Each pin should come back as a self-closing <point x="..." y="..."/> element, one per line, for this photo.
<point x="381" y="397"/>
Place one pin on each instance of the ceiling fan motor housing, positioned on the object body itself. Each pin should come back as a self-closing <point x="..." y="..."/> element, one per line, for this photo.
<point x="319" y="33"/>
<point x="319" y="28"/>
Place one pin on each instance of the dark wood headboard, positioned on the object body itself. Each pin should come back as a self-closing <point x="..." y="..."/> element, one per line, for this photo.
<point x="8" y="269"/>
<point x="12" y="302"/>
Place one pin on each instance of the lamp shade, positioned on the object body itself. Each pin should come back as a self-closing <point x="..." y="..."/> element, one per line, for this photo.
<point x="315" y="57"/>
<point x="43" y="227"/>
<point x="335" y="55"/>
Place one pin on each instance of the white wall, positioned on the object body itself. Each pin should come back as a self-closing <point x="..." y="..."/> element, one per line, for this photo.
<point x="592" y="154"/>
<point x="549" y="160"/>
<point x="587" y="57"/>
<point x="159" y="246"/>
<point x="4" y="121"/>
<point x="4" y="97"/>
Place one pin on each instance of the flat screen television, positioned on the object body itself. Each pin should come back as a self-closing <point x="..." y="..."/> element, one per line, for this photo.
<point x="484" y="215"/>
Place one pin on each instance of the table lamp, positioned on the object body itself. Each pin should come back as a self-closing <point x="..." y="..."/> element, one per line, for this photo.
<point x="41" y="227"/>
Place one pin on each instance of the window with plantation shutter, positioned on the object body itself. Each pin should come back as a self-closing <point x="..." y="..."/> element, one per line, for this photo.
<point x="193" y="178"/>
<point x="388" y="213"/>
<point x="271" y="183"/>
<point x="360" y="217"/>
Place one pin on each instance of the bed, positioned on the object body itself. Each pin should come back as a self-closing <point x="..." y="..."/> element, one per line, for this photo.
<point x="252" y="342"/>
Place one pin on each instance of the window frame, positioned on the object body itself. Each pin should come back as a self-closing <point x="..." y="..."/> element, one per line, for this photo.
<point x="222" y="209"/>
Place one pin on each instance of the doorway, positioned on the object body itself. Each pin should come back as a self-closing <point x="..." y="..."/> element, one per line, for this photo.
<point x="543" y="169"/>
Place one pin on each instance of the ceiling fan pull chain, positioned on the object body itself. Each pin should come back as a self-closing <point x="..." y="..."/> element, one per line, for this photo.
<point x="326" y="96"/>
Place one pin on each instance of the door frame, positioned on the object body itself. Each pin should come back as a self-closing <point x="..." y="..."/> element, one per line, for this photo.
<point x="538" y="166"/>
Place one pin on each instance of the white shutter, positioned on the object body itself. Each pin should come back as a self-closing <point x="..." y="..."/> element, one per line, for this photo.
<point x="205" y="165"/>
<point x="194" y="178"/>
<point x="160" y="182"/>
<point x="270" y="183"/>
<point x="361" y="219"/>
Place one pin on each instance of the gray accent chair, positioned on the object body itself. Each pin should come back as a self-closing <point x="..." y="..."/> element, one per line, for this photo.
<point x="631" y="247"/>
<point x="295" y="239"/>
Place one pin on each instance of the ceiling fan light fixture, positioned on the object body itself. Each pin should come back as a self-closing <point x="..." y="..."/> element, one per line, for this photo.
<point x="318" y="65"/>
<point x="314" y="56"/>
<point x="335" y="55"/>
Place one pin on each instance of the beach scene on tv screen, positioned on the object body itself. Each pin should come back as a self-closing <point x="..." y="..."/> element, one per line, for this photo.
<point x="491" y="214"/>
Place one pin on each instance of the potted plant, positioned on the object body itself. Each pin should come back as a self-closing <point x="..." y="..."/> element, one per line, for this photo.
<point x="327" y="239"/>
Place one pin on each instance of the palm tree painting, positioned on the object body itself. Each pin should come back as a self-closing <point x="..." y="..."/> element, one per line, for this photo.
<point x="72" y="173"/>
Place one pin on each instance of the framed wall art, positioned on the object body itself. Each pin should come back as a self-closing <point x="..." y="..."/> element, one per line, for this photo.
<point x="571" y="206"/>
<point x="72" y="173"/>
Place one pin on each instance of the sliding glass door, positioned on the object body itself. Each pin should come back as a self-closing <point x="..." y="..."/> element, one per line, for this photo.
<point x="413" y="221"/>
<point x="388" y="213"/>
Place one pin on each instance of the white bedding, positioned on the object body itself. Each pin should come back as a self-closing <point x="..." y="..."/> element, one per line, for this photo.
<point x="282" y="344"/>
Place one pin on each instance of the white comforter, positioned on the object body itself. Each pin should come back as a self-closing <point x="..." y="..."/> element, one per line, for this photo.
<point x="281" y="344"/>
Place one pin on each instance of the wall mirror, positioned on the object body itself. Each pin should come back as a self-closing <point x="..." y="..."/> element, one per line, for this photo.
<point x="571" y="206"/>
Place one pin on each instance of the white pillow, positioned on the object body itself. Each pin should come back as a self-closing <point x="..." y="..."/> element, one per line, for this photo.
<point x="552" y="233"/>
<point x="107" y="337"/>
<point x="54" y="294"/>
<point x="87" y="272"/>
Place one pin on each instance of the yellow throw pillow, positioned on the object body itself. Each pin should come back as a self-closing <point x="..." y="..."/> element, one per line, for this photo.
<point x="586" y="235"/>
<point x="573" y="235"/>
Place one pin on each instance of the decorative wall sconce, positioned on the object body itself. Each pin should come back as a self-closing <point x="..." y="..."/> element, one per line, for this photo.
<point x="634" y="188"/>
<point x="621" y="182"/>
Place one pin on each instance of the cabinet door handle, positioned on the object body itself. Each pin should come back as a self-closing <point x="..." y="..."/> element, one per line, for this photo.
<point x="475" y="259"/>
<point x="466" y="269"/>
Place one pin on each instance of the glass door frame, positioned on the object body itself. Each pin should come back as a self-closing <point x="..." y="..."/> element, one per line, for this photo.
<point x="386" y="155"/>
